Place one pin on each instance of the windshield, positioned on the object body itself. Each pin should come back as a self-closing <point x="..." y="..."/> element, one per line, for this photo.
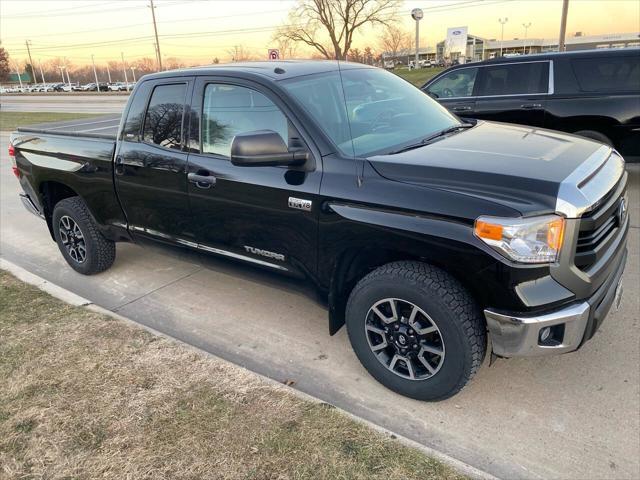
<point x="383" y="112"/>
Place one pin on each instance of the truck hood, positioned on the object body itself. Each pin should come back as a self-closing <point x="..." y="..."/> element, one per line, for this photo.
<point x="517" y="166"/>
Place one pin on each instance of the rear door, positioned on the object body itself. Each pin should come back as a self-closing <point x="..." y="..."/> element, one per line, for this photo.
<point x="513" y="92"/>
<point x="151" y="164"/>
<point x="455" y="90"/>
<point x="265" y="215"/>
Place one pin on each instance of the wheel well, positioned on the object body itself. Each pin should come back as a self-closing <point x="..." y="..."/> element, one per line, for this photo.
<point x="52" y="192"/>
<point x="354" y="264"/>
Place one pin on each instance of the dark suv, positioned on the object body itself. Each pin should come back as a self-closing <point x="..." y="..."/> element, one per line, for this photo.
<point x="594" y="93"/>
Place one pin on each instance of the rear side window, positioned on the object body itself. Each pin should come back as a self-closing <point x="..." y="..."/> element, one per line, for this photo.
<point x="458" y="83"/>
<point x="515" y="79"/>
<point x="163" y="121"/>
<point x="230" y="109"/>
<point x="613" y="74"/>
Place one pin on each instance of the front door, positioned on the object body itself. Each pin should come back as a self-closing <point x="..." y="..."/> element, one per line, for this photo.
<point x="151" y="165"/>
<point x="263" y="215"/>
<point x="513" y="93"/>
<point x="455" y="90"/>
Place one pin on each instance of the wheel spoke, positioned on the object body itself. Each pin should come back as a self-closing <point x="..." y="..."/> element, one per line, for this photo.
<point x="426" y="364"/>
<point x="373" y="329"/>
<point x="382" y="316"/>
<point x="77" y="231"/>
<point x="430" y="349"/>
<point x="63" y="236"/>
<point x="407" y="362"/>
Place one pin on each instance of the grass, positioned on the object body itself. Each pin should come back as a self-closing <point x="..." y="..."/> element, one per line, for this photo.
<point x="12" y="120"/>
<point x="86" y="396"/>
<point x="417" y="77"/>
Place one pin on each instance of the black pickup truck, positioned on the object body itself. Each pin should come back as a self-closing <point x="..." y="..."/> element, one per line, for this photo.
<point x="435" y="240"/>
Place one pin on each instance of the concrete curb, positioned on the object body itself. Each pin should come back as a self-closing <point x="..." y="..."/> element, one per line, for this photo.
<point x="78" y="301"/>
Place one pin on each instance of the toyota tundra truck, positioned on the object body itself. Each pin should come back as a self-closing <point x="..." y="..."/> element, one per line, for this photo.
<point x="437" y="241"/>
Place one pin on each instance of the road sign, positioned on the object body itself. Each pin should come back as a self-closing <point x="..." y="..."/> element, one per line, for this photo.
<point x="274" y="54"/>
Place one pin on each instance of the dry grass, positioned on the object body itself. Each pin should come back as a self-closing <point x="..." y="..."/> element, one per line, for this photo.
<point x="86" y="396"/>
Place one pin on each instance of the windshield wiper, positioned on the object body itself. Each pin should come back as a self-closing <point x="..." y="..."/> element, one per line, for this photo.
<point x="432" y="137"/>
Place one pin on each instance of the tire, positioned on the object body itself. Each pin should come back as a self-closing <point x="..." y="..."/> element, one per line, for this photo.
<point x="441" y="302"/>
<point x="593" y="135"/>
<point x="88" y="252"/>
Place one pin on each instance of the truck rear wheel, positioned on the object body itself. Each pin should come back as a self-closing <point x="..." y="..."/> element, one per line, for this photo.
<point x="82" y="245"/>
<point x="416" y="330"/>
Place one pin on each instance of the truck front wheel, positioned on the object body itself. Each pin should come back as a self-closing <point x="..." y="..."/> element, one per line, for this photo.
<point x="82" y="245"/>
<point x="416" y="330"/>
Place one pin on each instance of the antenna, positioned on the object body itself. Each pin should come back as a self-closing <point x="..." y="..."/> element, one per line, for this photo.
<point x="359" y="172"/>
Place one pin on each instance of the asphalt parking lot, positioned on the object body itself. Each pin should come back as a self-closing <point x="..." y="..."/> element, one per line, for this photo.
<point x="573" y="416"/>
<point x="95" y="103"/>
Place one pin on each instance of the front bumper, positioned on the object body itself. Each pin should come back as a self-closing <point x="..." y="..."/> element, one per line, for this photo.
<point x="513" y="335"/>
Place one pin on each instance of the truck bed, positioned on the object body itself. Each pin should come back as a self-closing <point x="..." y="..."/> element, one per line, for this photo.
<point x="104" y="127"/>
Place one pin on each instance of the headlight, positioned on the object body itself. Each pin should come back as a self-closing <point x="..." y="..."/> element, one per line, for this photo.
<point x="526" y="240"/>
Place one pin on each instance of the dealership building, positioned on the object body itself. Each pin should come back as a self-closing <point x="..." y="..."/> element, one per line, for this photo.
<point x="460" y="46"/>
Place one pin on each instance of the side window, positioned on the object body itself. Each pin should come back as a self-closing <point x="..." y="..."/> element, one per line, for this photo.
<point x="230" y="109"/>
<point x="515" y="79"/>
<point x="163" y="121"/>
<point x="458" y="83"/>
<point x="133" y="124"/>
<point x="607" y="74"/>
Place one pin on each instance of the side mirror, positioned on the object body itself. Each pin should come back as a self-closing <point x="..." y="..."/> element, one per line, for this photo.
<point x="263" y="148"/>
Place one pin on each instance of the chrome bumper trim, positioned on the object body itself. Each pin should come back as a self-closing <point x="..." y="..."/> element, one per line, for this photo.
<point x="29" y="205"/>
<point x="518" y="336"/>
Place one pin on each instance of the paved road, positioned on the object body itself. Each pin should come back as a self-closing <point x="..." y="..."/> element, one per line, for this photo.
<point x="574" y="416"/>
<point x="64" y="103"/>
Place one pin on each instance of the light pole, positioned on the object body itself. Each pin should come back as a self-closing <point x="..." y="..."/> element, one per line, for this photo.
<point x="108" y="73"/>
<point x="502" y="22"/>
<point x="417" y="15"/>
<point x="526" y="27"/>
<point x="41" y="74"/>
<point x="95" y="74"/>
<point x="124" y="69"/>
<point x="18" y="73"/>
<point x="563" y="26"/>
<point x="62" y="67"/>
<point x="133" y="73"/>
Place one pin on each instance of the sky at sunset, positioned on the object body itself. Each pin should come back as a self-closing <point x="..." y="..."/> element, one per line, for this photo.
<point x="198" y="30"/>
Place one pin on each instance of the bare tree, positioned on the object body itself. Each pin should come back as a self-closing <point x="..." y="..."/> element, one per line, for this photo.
<point x="328" y="25"/>
<point x="395" y="40"/>
<point x="239" y="54"/>
<point x="287" y="47"/>
<point x="4" y="64"/>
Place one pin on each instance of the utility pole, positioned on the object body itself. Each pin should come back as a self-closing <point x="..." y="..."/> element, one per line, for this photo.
<point x="417" y="15"/>
<point x="502" y="22"/>
<point x="526" y="27"/>
<point x="155" y="30"/>
<point x="563" y="26"/>
<point x="95" y="74"/>
<point x="133" y="73"/>
<point x="33" y="74"/>
<point x="124" y="69"/>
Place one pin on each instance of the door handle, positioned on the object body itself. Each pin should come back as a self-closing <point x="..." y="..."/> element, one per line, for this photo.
<point x="461" y="108"/>
<point x="530" y="106"/>
<point x="119" y="168"/>
<point x="201" y="181"/>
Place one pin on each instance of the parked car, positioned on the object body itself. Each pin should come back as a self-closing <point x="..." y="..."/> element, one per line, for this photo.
<point x="421" y="64"/>
<point x="595" y="93"/>
<point x="422" y="232"/>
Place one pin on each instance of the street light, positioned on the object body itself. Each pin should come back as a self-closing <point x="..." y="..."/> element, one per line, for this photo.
<point x="502" y="22"/>
<point x="417" y="15"/>
<point x="526" y="27"/>
<point x="133" y="72"/>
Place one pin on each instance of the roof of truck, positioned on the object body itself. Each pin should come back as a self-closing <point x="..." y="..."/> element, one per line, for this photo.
<point x="276" y="70"/>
